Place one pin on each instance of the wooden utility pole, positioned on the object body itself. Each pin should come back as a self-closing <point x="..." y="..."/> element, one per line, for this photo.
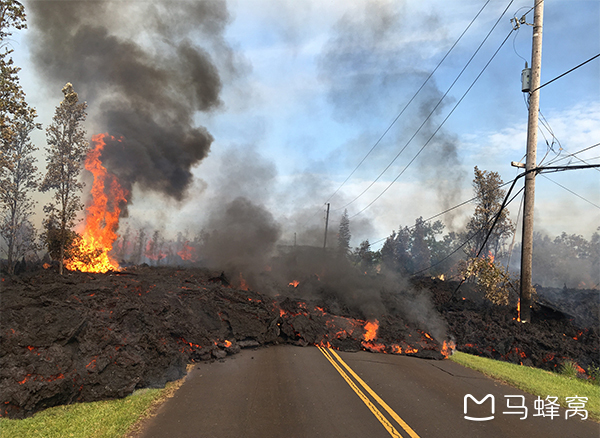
<point x="326" y="224"/>
<point x="530" y="163"/>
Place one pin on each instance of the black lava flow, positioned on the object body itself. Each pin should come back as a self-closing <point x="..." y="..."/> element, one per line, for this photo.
<point x="86" y="337"/>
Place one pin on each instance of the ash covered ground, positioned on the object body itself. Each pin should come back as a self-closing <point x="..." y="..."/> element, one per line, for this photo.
<point x="86" y="337"/>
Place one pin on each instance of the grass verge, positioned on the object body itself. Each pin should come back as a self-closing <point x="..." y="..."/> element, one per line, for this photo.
<point x="103" y="419"/>
<point x="534" y="380"/>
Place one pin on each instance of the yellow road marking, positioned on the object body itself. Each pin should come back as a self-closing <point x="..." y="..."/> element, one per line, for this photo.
<point x="378" y="399"/>
<point x="384" y="421"/>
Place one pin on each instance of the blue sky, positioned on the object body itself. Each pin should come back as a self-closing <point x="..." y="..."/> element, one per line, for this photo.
<point x="318" y="82"/>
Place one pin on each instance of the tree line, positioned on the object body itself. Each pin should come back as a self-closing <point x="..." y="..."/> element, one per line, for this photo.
<point x="19" y="179"/>
<point x="482" y="251"/>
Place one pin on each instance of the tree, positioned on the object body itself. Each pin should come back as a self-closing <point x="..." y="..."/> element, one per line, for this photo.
<point x="17" y="164"/>
<point x="420" y="252"/>
<point x="17" y="182"/>
<point x="364" y="257"/>
<point x="66" y="150"/>
<point x="343" y="246"/>
<point x="490" y="196"/>
<point x="13" y="107"/>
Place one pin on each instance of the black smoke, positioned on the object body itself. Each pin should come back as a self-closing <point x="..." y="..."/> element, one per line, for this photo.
<point x="147" y="69"/>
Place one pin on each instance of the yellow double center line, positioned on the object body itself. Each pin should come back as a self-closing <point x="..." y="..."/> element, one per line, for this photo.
<point x="336" y="360"/>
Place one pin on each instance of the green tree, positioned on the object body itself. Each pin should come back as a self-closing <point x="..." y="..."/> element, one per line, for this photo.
<point x="17" y="182"/>
<point x="395" y="253"/>
<point x="344" y="236"/>
<point x="490" y="195"/>
<point x="67" y="147"/>
<point x="364" y="257"/>
<point x="18" y="176"/>
<point x="419" y="250"/>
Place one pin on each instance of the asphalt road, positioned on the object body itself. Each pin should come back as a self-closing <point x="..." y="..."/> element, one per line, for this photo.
<point x="287" y="391"/>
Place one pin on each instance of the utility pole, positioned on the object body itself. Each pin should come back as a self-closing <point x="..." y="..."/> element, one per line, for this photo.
<point x="530" y="163"/>
<point x="326" y="224"/>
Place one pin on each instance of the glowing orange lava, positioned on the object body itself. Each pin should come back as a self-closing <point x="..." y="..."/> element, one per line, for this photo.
<point x="294" y="283"/>
<point x="102" y="215"/>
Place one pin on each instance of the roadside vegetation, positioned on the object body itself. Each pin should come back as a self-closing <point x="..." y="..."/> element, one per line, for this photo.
<point x="103" y="419"/>
<point x="564" y="383"/>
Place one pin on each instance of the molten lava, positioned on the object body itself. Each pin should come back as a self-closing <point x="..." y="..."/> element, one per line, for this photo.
<point x="294" y="283"/>
<point x="102" y="216"/>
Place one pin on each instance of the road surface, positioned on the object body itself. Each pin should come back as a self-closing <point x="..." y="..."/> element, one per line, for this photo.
<point x="287" y="391"/>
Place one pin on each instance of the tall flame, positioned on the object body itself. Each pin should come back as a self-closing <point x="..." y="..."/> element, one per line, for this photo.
<point x="102" y="215"/>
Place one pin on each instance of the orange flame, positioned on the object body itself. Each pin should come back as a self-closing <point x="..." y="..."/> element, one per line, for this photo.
<point x="448" y="348"/>
<point x="294" y="283"/>
<point x="371" y="330"/>
<point x="102" y="215"/>
<point x="227" y="343"/>
<point x="243" y="284"/>
<point x="187" y="252"/>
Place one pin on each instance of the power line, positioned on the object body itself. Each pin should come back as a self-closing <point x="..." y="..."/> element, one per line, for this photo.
<point x="566" y="73"/>
<point x="444" y="212"/>
<point x="572" y="192"/>
<point x="495" y="219"/>
<point x="436" y="106"/>
<point x="437" y="130"/>
<point x="409" y="102"/>
<point x="574" y="155"/>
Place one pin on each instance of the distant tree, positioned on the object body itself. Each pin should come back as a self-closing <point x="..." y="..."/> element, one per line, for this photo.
<point x="154" y="251"/>
<point x="139" y="247"/>
<point x="490" y="195"/>
<point x="67" y="147"/>
<point x="344" y="236"/>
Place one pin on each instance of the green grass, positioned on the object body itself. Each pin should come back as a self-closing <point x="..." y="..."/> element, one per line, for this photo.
<point x="103" y="419"/>
<point x="535" y="381"/>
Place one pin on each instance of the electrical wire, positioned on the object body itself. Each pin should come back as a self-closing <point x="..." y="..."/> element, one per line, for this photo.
<point x="435" y="132"/>
<point x="409" y="102"/>
<point x="565" y="73"/>
<point x="574" y="155"/>
<point x="494" y="220"/>
<point x="436" y="106"/>
<point x="443" y="212"/>
<point x="572" y="192"/>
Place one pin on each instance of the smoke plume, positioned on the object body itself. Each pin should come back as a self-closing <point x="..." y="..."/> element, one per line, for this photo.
<point x="370" y="66"/>
<point x="145" y="76"/>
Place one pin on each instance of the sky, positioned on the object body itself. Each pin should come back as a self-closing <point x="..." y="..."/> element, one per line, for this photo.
<point x="308" y="88"/>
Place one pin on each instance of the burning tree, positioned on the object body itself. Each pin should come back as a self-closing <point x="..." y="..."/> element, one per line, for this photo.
<point x="67" y="147"/>
<point x="17" y="163"/>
